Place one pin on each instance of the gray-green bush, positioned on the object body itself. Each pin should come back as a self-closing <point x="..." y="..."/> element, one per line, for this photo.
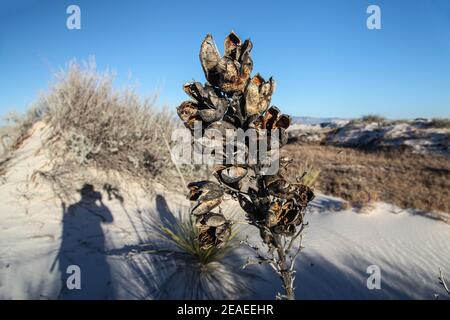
<point x="101" y="125"/>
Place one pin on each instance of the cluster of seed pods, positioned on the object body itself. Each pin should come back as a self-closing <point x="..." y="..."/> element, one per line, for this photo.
<point x="231" y="99"/>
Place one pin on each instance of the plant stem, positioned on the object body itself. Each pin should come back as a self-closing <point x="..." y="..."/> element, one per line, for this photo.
<point x="171" y="157"/>
<point x="285" y="270"/>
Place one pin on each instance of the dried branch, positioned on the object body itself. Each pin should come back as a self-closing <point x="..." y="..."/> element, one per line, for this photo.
<point x="442" y="281"/>
<point x="296" y="236"/>
<point x="171" y="155"/>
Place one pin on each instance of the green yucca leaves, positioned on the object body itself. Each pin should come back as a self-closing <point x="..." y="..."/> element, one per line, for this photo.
<point x="184" y="236"/>
<point x="194" y="272"/>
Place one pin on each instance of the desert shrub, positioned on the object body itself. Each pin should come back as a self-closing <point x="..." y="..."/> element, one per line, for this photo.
<point x="113" y="129"/>
<point x="17" y="125"/>
<point x="373" y="118"/>
<point x="350" y="123"/>
<point x="440" y="123"/>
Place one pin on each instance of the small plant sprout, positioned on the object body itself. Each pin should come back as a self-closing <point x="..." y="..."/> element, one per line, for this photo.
<point x="230" y="103"/>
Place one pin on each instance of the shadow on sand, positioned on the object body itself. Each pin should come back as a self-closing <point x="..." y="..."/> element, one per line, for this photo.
<point x="83" y="245"/>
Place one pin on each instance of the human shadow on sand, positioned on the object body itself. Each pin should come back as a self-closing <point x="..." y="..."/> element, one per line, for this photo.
<point x="83" y="245"/>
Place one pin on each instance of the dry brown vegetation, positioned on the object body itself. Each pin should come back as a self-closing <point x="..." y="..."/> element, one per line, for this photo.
<point x="401" y="178"/>
<point x="372" y="118"/>
<point x="440" y="123"/>
<point x="16" y="129"/>
<point x="115" y="130"/>
<point x="95" y="126"/>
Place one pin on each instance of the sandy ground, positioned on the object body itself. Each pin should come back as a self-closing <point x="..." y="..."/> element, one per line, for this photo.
<point x="40" y="236"/>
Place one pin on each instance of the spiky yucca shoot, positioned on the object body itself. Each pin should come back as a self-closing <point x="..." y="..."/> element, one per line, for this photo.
<point x="200" y="273"/>
<point x="184" y="236"/>
<point x="232" y="99"/>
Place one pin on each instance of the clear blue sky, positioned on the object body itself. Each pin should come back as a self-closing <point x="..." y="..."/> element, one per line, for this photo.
<point x="324" y="59"/>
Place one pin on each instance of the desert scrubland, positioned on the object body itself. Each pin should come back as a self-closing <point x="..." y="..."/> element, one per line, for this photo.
<point x="86" y="178"/>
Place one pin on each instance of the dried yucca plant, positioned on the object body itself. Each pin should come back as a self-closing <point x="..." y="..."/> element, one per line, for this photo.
<point x="230" y="100"/>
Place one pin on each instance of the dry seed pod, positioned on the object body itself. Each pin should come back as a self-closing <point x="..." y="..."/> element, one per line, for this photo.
<point x="247" y="206"/>
<point x="214" y="236"/>
<point x="303" y="194"/>
<point x="210" y="105"/>
<point x="229" y="75"/>
<point x="195" y="90"/>
<point x="291" y="217"/>
<point x="223" y="233"/>
<point x="211" y="115"/>
<point x="222" y="127"/>
<point x="267" y="120"/>
<point x="283" y="122"/>
<point x="232" y="174"/>
<point x="289" y="213"/>
<point x="204" y="190"/>
<point x="187" y="111"/>
<point x="281" y="214"/>
<point x="258" y="95"/>
<point x="205" y="206"/>
<point x="209" y="58"/>
<point x="208" y="194"/>
<point x="214" y="219"/>
<point x="246" y="61"/>
<point x="232" y="71"/>
<point x="279" y="188"/>
<point x="273" y="214"/>
<point x="232" y="46"/>
<point x="273" y="119"/>
<point x="207" y="237"/>
<point x="233" y="77"/>
<point x="207" y="96"/>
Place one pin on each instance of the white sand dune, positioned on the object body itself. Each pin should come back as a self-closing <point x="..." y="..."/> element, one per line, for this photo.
<point x="36" y="240"/>
<point x="418" y="136"/>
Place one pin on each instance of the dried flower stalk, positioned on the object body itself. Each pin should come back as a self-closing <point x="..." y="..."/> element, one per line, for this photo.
<point x="231" y="99"/>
